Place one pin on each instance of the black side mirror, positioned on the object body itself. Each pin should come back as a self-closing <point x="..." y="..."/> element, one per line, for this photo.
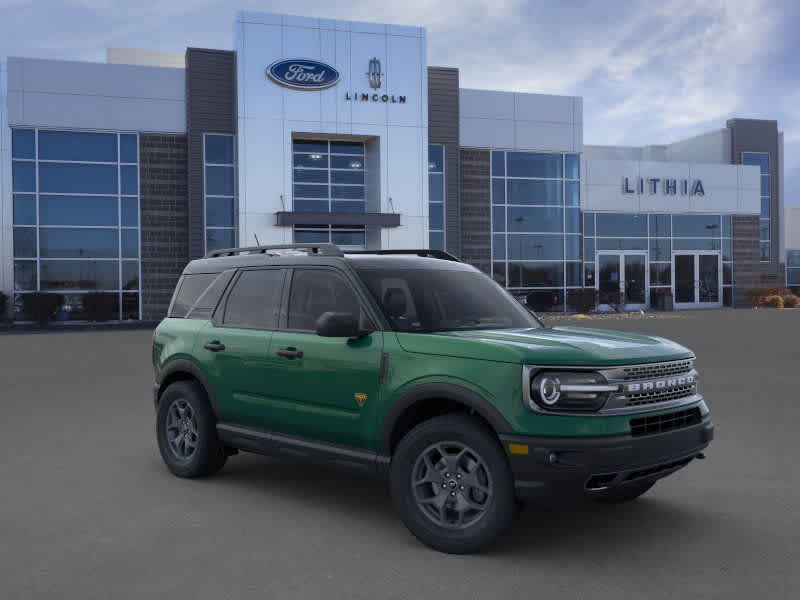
<point x="336" y="324"/>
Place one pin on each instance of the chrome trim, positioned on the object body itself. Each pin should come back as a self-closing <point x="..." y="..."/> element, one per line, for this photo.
<point x="616" y="405"/>
<point x="589" y="388"/>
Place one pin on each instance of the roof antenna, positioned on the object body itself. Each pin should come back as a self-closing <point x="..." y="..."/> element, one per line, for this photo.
<point x="255" y="235"/>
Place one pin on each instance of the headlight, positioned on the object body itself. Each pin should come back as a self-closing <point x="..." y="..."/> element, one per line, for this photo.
<point x="569" y="391"/>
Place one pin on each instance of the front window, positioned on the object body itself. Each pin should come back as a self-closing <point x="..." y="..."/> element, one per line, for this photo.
<point x="329" y="176"/>
<point x="76" y="221"/>
<point x="430" y="301"/>
<point x="219" y="158"/>
<point x="536" y="229"/>
<point x="761" y="160"/>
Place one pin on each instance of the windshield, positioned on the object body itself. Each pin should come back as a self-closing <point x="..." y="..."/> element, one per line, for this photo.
<point x="428" y="301"/>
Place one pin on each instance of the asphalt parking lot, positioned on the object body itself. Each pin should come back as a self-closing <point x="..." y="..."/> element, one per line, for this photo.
<point x="87" y="509"/>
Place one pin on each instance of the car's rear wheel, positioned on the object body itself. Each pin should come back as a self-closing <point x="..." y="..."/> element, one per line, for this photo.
<point x="623" y="494"/>
<point x="452" y="484"/>
<point x="186" y="431"/>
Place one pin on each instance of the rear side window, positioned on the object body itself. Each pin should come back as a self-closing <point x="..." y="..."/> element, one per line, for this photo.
<point x="316" y="291"/>
<point x="254" y="300"/>
<point x="190" y="287"/>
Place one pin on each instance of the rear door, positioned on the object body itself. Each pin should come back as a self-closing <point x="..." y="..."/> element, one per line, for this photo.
<point x="234" y="345"/>
<point x="323" y="388"/>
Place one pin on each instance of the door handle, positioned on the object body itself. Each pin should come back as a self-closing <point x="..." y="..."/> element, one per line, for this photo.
<point x="215" y="346"/>
<point x="289" y="353"/>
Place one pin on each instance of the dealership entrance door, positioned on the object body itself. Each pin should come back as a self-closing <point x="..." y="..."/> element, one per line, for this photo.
<point x="697" y="279"/>
<point x="622" y="280"/>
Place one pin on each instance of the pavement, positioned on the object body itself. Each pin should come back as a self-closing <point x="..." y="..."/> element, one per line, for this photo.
<point x="87" y="510"/>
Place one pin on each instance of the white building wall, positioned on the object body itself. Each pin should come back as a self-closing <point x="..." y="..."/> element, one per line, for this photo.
<point x="82" y="95"/>
<point x="791" y="228"/>
<point x="270" y="114"/>
<point x="713" y="147"/>
<point x="145" y="58"/>
<point x="729" y="189"/>
<point x="519" y="121"/>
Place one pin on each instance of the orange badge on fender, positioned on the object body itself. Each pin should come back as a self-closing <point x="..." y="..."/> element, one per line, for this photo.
<point x="360" y="399"/>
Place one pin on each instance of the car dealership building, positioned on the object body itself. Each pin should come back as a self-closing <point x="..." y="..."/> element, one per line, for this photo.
<point x="113" y="175"/>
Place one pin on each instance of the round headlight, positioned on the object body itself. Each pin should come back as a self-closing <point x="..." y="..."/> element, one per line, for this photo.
<point x="570" y="391"/>
<point x="549" y="389"/>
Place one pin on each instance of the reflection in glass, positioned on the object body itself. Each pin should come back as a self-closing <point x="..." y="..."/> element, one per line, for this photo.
<point x="79" y="275"/>
<point x="57" y="242"/>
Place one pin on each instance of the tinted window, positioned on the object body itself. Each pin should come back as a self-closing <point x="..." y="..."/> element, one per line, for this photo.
<point x="205" y="305"/>
<point x="24" y="209"/>
<point x="22" y="143"/>
<point x="621" y="225"/>
<point x="696" y="225"/>
<point x="189" y="289"/>
<point x="316" y="291"/>
<point x="73" y="145"/>
<point x="128" y="151"/>
<point x="79" y="275"/>
<point x="254" y="301"/>
<point x="424" y="301"/>
<point x="531" y="191"/>
<point x="77" y="179"/>
<point x="219" y="149"/>
<point x="528" y="164"/>
<point x="78" y="210"/>
<point x="78" y="243"/>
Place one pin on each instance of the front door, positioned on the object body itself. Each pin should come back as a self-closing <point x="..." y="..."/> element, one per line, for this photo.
<point x="697" y="279"/>
<point x="321" y="387"/>
<point x="622" y="279"/>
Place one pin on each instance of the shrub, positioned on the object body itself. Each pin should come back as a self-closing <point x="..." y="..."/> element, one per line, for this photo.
<point x="773" y="301"/>
<point x="41" y="306"/>
<point x="790" y="301"/>
<point x="98" y="306"/>
<point x="758" y="295"/>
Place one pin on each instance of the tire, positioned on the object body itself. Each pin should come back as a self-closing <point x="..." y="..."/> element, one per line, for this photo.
<point x="623" y="494"/>
<point x="183" y="411"/>
<point x="456" y="512"/>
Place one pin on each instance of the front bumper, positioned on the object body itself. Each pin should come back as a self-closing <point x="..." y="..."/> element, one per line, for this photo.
<point x="559" y="469"/>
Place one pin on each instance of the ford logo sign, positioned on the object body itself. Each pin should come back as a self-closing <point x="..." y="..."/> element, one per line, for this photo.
<point x="303" y="74"/>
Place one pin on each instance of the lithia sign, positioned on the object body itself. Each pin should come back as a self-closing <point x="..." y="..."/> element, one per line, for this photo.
<point x="667" y="186"/>
<point x="306" y="74"/>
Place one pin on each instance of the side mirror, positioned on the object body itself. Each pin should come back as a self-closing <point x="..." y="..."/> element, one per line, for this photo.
<point x="336" y="324"/>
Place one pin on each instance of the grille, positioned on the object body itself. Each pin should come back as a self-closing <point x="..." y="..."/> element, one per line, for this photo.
<point x="665" y="422"/>
<point x="660" y="396"/>
<point x="656" y="370"/>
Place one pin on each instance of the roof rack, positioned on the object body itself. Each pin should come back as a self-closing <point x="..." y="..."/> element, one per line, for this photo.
<point x="312" y="249"/>
<point x="423" y="252"/>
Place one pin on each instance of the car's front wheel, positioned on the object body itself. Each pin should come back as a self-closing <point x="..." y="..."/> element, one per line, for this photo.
<point x="452" y="485"/>
<point x="186" y="431"/>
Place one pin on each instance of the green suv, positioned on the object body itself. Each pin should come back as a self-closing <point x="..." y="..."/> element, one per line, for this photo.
<point x="415" y="367"/>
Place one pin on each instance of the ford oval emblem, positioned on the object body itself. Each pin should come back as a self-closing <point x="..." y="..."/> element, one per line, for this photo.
<point x="303" y="74"/>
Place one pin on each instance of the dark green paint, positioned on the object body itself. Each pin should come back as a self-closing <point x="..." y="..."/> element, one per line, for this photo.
<point x="315" y="396"/>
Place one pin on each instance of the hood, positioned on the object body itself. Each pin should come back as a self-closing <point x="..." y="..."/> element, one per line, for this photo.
<point x="567" y="346"/>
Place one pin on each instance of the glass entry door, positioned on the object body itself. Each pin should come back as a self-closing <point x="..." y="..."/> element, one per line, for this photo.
<point x="622" y="279"/>
<point x="697" y="279"/>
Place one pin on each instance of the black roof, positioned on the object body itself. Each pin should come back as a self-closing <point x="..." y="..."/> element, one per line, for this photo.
<point x="324" y="254"/>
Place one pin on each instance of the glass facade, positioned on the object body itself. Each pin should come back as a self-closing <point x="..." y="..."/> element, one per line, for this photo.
<point x="793" y="268"/>
<point x="659" y="235"/>
<point x="536" y="241"/>
<point x="76" y="219"/>
<point x="328" y="176"/>
<point x="761" y="160"/>
<point x="219" y="167"/>
<point x="436" y="196"/>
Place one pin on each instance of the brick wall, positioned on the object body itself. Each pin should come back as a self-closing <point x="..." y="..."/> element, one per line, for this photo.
<point x="164" y="214"/>
<point x="476" y="207"/>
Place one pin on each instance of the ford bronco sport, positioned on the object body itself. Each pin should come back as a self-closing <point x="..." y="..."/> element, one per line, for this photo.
<point x="416" y="367"/>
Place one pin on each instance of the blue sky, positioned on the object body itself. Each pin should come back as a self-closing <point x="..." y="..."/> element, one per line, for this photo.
<point x="649" y="72"/>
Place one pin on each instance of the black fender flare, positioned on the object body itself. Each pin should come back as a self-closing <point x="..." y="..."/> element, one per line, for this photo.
<point x="181" y="365"/>
<point x="444" y="391"/>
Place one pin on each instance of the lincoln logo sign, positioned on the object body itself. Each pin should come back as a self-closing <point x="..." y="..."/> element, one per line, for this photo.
<point x="302" y="74"/>
<point x="668" y="186"/>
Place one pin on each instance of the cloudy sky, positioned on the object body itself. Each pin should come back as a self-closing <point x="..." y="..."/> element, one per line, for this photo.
<point x="649" y="72"/>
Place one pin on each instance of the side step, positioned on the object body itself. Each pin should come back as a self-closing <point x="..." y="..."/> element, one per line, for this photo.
<point x="280" y="445"/>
